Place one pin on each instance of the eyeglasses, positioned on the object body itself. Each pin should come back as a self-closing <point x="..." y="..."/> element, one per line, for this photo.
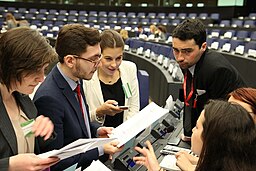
<point x="95" y="62"/>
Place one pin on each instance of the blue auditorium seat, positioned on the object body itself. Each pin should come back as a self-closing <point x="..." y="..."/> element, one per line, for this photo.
<point x="250" y="45"/>
<point x="123" y="20"/>
<point x="144" y="21"/>
<point x="225" y="23"/>
<point x="175" y="22"/>
<point x="82" y="19"/>
<point x="43" y="11"/>
<point x="154" y="21"/>
<point x="83" y="13"/>
<point x="235" y="43"/>
<point x="215" y="16"/>
<point x="242" y="34"/>
<point x="249" y="23"/>
<point x="134" y="21"/>
<point x="165" y="51"/>
<point x="63" y="12"/>
<point x="182" y="15"/>
<point x="92" y="19"/>
<point x="21" y="10"/>
<point x="72" y="18"/>
<point x="112" y="20"/>
<point x="147" y="45"/>
<point x="143" y="79"/>
<point x="172" y="15"/>
<point x="33" y="11"/>
<point x="53" y="11"/>
<point x="61" y="18"/>
<point x="252" y="15"/>
<point x="11" y="9"/>
<point x="50" y="17"/>
<point x="102" y="14"/>
<point x="112" y="14"/>
<point x="73" y="12"/>
<point x="203" y="16"/>
<point x="121" y="15"/>
<point x="192" y="15"/>
<point x="237" y="23"/>
<point x="141" y="15"/>
<point x="131" y="15"/>
<point x="93" y="14"/>
<point x="151" y="15"/>
<point x="103" y="20"/>
<point x="164" y="22"/>
<point x="161" y="15"/>
<point x="155" y="48"/>
<point x="253" y="35"/>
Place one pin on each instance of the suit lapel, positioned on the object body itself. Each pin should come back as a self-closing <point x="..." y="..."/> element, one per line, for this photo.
<point x="70" y="96"/>
<point x="7" y="128"/>
<point x="97" y="88"/>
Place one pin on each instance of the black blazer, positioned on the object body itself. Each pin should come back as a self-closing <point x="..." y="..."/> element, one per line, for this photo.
<point x="8" y="140"/>
<point x="56" y="100"/>
<point x="217" y="77"/>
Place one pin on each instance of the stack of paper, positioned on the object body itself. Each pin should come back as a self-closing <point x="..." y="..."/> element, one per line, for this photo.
<point x="76" y="147"/>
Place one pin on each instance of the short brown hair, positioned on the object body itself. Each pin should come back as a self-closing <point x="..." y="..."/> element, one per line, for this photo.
<point x="73" y="39"/>
<point x="111" y="39"/>
<point x="23" y="50"/>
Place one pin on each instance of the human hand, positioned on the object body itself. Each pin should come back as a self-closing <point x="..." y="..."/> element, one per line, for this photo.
<point x="183" y="161"/>
<point x="148" y="159"/>
<point x="111" y="148"/>
<point x="104" y="131"/>
<point x="109" y="108"/>
<point x="191" y="158"/>
<point x="43" y="127"/>
<point x="30" y="162"/>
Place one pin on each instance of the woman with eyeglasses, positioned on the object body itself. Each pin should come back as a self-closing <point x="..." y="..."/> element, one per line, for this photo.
<point x="113" y="92"/>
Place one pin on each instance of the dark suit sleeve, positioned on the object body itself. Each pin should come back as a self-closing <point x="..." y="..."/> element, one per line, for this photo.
<point x="55" y="110"/>
<point x="223" y="81"/>
<point x="4" y="164"/>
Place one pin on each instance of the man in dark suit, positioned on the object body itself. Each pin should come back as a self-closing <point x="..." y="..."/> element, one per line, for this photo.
<point x="207" y="74"/>
<point x="61" y="96"/>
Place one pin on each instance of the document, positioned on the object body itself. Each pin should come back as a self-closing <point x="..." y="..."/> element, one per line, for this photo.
<point x="130" y="128"/>
<point x="169" y="163"/>
<point x="77" y="147"/>
<point x="97" y="166"/>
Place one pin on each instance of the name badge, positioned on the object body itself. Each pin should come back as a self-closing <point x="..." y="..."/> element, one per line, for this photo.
<point x="27" y="127"/>
<point x="127" y="90"/>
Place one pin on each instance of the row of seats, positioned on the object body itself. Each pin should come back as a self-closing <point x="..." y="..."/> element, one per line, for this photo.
<point x="239" y="47"/>
<point x="159" y="53"/>
<point x="150" y="15"/>
<point x="249" y="23"/>
<point x="232" y="34"/>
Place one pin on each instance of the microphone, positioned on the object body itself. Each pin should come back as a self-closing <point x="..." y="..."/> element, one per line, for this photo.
<point x="166" y="130"/>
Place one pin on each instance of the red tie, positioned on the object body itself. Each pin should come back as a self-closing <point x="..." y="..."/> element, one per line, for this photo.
<point x="79" y="96"/>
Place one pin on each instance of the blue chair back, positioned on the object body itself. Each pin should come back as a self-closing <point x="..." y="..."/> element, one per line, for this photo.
<point x="143" y="79"/>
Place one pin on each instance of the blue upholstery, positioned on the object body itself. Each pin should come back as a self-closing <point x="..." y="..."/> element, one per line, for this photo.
<point x="143" y="79"/>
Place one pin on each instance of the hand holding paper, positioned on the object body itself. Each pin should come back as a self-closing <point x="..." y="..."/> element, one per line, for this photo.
<point x="76" y="147"/>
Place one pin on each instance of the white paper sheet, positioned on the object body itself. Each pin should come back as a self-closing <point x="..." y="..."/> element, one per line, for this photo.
<point x="76" y="147"/>
<point x="97" y="166"/>
<point x="137" y="123"/>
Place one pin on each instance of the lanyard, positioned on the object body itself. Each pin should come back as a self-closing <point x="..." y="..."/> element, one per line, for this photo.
<point x="186" y="99"/>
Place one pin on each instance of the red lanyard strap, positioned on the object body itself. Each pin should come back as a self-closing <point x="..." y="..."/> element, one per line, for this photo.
<point x="186" y="99"/>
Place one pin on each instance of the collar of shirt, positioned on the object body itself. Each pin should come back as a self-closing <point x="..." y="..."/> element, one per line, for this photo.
<point x="71" y="82"/>
<point x="192" y="70"/>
